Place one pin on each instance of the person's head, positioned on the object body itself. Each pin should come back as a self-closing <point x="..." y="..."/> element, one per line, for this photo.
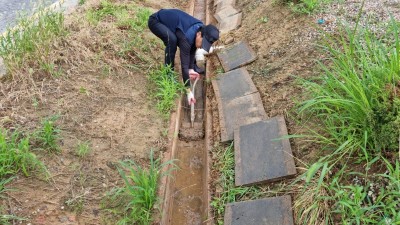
<point x="206" y="37"/>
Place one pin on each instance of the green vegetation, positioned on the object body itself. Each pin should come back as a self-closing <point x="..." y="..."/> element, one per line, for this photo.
<point x="16" y="155"/>
<point x="122" y="13"/>
<point x="225" y="165"/>
<point x="31" y="39"/>
<point x="105" y="9"/>
<point x="307" y="6"/>
<point x="83" y="149"/>
<point x="48" y="135"/>
<point x="356" y="104"/>
<point x="166" y="89"/>
<point x="139" y="195"/>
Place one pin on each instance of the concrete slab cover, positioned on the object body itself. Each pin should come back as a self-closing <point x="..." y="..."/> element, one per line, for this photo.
<point x="261" y="154"/>
<point x="239" y="111"/>
<point x="221" y="4"/>
<point x="235" y="83"/>
<point x="267" y="211"/>
<point x="230" y="23"/>
<point x="225" y="13"/>
<point x="231" y="2"/>
<point x="236" y="56"/>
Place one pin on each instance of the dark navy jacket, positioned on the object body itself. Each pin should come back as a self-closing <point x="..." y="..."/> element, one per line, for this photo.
<point x="176" y="19"/>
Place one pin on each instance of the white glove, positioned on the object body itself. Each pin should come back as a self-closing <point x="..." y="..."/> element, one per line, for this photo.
<point x="190" y="97"/>
<point x="193" y="75"/>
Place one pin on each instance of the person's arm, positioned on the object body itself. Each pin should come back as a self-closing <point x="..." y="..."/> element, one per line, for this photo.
<point x="185" y="55"/>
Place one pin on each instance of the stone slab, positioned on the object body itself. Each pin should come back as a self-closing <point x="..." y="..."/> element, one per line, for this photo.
<point x="236" y="56"/>
<point x="230" y="23"/>
<point x="229" y="2"/>
<point x="225" y="13"/>
<point x="222" y="4"/>
<point x="262" y="154"/>
<point x="267" y="211"/>
<point x="234" y="84"/>
<point x="239" y="111"/>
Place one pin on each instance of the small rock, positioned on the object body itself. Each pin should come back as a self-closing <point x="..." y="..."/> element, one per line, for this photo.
<point x="229" y="40"/>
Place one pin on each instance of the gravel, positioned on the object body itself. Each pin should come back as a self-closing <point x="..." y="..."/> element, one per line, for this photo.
<point x="376" y="14"/>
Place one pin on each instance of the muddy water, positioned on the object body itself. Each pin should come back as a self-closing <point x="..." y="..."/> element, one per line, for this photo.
<point x="188" y="192"/>
<point x="187" y="206"/>
<point x="189" y="203"/>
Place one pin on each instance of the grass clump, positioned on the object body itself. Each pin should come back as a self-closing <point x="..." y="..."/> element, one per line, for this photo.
<point x="165" y="89"/>
<point x="16" y="156"/>
<point x="31" y="38"/>
<point x="307" y="6"/>
<point x="138" y="197"/>
<point x="225" y="166"/>
<point x="356" y="99"/>
<point x="356" y="105"/>
<point x="48" y="135"/>
<point x="105" y="9"/>
<point x="83" y="149"/>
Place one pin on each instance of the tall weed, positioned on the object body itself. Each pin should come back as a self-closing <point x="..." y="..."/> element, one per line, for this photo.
<point x="164" y="89"/>
<point x="356" y="99"/>
<point x="16" y="156"/>
<point x="139" y="194"/>
<point x="30" y="39"/>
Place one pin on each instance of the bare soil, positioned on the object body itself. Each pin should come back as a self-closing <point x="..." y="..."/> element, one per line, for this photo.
<point x="102" y="101"/>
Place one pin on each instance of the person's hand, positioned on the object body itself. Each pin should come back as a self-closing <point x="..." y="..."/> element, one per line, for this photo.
<point x="193" y="75"/>
<point x="190" y="97"/>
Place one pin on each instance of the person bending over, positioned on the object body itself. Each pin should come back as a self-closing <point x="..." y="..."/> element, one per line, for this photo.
<point x="179" y="29"/>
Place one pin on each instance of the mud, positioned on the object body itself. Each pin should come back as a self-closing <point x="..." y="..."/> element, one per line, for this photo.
<point x="194" y="133"/>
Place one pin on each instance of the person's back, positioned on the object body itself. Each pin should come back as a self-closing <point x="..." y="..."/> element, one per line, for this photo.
<point x="176" y="19"/>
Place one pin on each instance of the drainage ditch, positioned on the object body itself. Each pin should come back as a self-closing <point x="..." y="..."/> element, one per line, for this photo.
<point x="186" y="198"/>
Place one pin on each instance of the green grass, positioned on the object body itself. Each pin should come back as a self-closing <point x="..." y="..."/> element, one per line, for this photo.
<point x="138" y="197"/>
<point x="48" y="135"/>
<point x="225" y="165"/>
<point x="356" y="104"/>
<point x="356" y="98"/>
<point x="307" y="6"/>
<point x="31" y="38"/>
<point x="165" y="89"/>
<point x="105" y="9"/>
<point x="83" y="149"/>
<point x="16" y="155"/>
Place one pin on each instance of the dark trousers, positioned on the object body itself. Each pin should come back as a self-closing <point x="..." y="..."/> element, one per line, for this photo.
<point x="167" y="36"/>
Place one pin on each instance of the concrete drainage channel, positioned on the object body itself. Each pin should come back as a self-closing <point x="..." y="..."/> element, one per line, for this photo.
<point x="186" y="196"/>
